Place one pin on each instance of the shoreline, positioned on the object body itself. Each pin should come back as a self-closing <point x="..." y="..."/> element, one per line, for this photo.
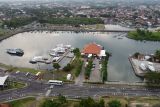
<point x="12" y="33"/>
<point x="134" y="68"/>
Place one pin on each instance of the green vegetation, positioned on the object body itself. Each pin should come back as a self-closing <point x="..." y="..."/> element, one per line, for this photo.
<point x="60" y="102"/>
<point x="88" y="69"/>
<point x="157" y="54"/>
<point x="114" y="103"/>
<point x="153" y="78"/>
<point x="13" y="84"/>
<point x="21" y="102"/>
<point x="77" y="52"/>
<point x="104" y="73"/>
<point x="72" y="21"/>
<point x="136" y="54"/>
<point x="78" y="68"/>
<point x="89" y="102"/>
<point x="18" y="22"/>
<point x="77" y="62"/>
<point x="94" y="27"/>
<point x="56" y="66"/>
<point x="144" y="35"/>
<point x="2" y="32"/>
<point x="68" y="67"/>
<point x="14" y="69"/>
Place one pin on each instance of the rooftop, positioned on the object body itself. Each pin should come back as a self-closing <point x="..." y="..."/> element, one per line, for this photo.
<point x="3" y="79"/>
<point x="92" y="48"/>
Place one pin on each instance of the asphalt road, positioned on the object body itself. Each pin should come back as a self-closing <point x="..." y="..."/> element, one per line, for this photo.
<point x="40" y="88"/>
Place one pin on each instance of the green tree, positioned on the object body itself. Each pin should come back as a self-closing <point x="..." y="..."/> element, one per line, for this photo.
<point x="114" y="103"/>
<point x="56" y="66"/>
<point x="157" y="54"/>
<point x="49" y="103"/>
<point x="152" y="78"/>
<point x="77" y="52"/>
<point x="68" y="67"/>
<point x="136" y="54"/>
<point x="101" y="103"/>
<point x="62" y="99"/>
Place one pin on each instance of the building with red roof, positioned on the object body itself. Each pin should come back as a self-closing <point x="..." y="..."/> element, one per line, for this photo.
<point x="92" y="48"/>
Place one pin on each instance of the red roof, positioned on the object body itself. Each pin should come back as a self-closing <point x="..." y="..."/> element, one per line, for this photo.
<point x="92" y="48"/>
<point x="4" y="105"/>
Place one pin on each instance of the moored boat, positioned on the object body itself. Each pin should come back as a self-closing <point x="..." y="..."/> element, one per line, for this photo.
<point x="16" y="51"/>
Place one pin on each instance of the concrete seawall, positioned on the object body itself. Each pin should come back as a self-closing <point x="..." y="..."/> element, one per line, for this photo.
<point x="135" y="69"/>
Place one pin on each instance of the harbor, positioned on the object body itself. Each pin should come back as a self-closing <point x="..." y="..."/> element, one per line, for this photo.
<point x="41" y="42"/>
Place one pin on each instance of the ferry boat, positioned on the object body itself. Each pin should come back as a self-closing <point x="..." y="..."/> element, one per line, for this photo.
<point x="18" y="52"/>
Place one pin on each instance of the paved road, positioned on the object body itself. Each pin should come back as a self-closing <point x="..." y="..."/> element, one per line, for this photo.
<point x="37" y="88"/>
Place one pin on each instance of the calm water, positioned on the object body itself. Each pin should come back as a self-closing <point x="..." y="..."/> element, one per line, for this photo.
<point x="38" y="43"/>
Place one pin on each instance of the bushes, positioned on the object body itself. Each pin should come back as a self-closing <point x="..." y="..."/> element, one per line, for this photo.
<point x="88" y="69"/>
<point x="60" y="102"/>
<point x="152" y="77"/>
<point x="77" y="52"/>
<point x="114" y="103"/>
<point x="89" y="102"/>
<point x="17" y="22"/>
<point x="68" y="67"/>
<point x="104" y="73"/>
<point x="56" y="66"/>
<point x="79" y="68"/>
<point x="19" y="103"/>
<point x="144" y="35"/>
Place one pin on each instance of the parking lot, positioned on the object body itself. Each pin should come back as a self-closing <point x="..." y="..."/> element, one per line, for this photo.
<point x="95" y="73"/>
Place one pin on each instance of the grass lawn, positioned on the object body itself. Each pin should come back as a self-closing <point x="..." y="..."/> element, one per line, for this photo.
<point x="14" y="85"/>
<point x="61" y="74"/>
<point x="150" y="100"/>
<point x="154" y="36"/>
<point x="94" y="27"/>
<point x="123" y="100"/>
<point x="23" y="102"/>
<point x="2" y="32"/>
<point x="32" y="102"/>
<point x="14" y="69"/>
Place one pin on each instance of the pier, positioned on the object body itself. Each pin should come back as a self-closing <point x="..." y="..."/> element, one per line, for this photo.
<point x="136" y="68"/>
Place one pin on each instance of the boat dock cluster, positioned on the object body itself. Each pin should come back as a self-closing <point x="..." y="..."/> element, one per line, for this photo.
<point x="55" y="55"/>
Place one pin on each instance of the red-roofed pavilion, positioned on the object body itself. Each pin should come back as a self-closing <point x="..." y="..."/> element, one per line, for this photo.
<point x="92" y="48"/>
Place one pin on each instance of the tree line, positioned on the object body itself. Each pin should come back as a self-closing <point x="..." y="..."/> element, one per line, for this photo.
<point x="144" y="35"/>
<point x="72" y="21"/>
<point x="18" y="22"/>
<point x="61" y="101"/>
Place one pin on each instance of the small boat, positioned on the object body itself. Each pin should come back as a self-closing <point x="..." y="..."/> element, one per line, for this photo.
<point x="40" y="59"/>
<point x="120" y="38"/>
<point x="18" y="52"/>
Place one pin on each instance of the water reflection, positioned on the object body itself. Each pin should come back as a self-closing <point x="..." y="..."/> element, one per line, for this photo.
<point x="38" y="43"/>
